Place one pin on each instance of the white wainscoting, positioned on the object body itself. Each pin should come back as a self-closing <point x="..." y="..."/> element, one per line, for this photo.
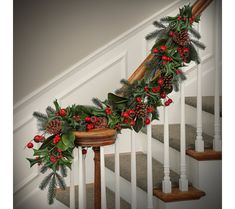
<point x="95" y="75"/>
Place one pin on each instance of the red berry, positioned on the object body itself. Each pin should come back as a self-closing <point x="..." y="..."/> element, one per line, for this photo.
<point x="163" y="48"/>
<point x="118" y="126"/>
<point x="132" y="123"/>
<point x="167" y="103"/>
<point x="171" y="33"/>
<point x="185" y="50"/>
<point x="88" y="119"/>
<point x="170" y="101"/>
<point x="53" y="159"/>
<point x="178" y="71"/>
<point x="108" y="111"/>
<point x="38" y="138"/>
<point x="58" y="157"/>
<point x="59" y="150"/>
<point x="131" y="112"/>
<point x="56" y="139"/>
<point x="156" y="89"/>
<point x="163" y="95"/>
<point x="169" y="58"/>
<point x="57" y="114"/>
<point x="164" y="58"/>
<point x="126" y="120"/>
<point x="138" y="99"/>
<point x="184" y="18"/>
<point x="63" y="112"/>
<point x="30" y="145"/>
<point x="146" y="88"/>
<point x="160" y="81"/>
<point x="155" y="50"/>
<point x="125" y="114"/>
<point x="147" y="121"/>
<point x="179" y="18"/>
<point x="150" y="109"/>
<point x="84" y="151"/>
<point x="90" y="126"/>
<point x="164" y="62"/>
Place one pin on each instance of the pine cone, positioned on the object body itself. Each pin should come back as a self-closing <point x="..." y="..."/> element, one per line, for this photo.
<point x="181" y="38"/>
<point x="101" y="122"/>
<point x="140" y="110"/>
<point x="167" y="86"/>
<point x="54" y="127"/>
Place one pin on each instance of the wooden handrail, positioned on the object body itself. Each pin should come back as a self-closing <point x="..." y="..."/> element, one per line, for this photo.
<point x="198" y="7"/>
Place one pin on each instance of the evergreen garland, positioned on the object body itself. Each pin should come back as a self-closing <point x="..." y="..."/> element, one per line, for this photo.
<point x="133" y="106"/>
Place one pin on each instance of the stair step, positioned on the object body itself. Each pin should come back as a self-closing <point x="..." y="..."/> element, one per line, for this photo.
<point x="207" y="103"/>
<point x="177" y="195"/>
<point x="141" y="170"/>
<point x="174" y="134"/>
<point x="64" y="195"/>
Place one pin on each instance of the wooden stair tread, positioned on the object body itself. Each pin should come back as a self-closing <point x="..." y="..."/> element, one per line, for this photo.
<point x="208" y="154"/>
<point x="177" y="195"/>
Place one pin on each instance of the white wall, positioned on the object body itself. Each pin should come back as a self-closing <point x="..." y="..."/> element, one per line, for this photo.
<point x="95" y="75"/>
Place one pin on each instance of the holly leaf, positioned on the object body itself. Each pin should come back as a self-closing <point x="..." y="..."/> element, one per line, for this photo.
<point x="33" y="161"/>
<point x="68" y="139"/>
<point x="61" y="145"/>
<point x="46" y="142"/>
<point x="39" y="152"/>
<point x="116" y="99"/>
<point x="139" y="123"/>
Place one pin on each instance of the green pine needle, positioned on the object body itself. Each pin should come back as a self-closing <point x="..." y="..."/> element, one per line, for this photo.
<point x="63" y="170"/>
<point x="60" y="181"/>
<point x="153" y="34"/>
<point x="45" y="181"/>
<point x="125" y="82"/>
<point x="198" y="44"/>
<point x="97" y="102"/>
<point x="40" y="116"/>
<point x="195" y="33"/>
<point x="158" y="24"/>
<point x="50" y="110"/>
<point x="44" y="169"/>
<point x="51" y="190"/>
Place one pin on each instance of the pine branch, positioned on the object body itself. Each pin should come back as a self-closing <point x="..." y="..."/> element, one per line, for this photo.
<point x="97" y="102"/>
<point x="182" y="76"/>
<point x="193" y="53"/>
<point x="45" y="181"/>
<point x="50" y="110"/>
<point x="125" y="82"/>
<point x="63" y="170"/>
<point x="40" y="116"/>
<point x="152" y="35"/>
<point x="44" y="169"/>
<point x="195" y="33"/>
<point x="175" y="86"/>
<point x="198" y="44"/>
<point x="165" y="19"/>
<point x="158" y="24"/>
<point x="60" y="181"/>
<point x="51" y="190"/>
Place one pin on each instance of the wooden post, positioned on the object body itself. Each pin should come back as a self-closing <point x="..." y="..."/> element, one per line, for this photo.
<point x="97" y="186"/>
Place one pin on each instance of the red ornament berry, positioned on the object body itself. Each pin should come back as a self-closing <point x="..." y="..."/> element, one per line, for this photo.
<point x="138" y="99"/>
<point x="163" y="48"/>
<point x="132" y="123"/>
<point x="171" y="33"/>
<point x="178" y="71"/>
<point x="58" y="157"/>
<point x="59" y="150"/>
<point x="108" y="111"/>
<point x="53" y="159"/>
<point x="126" y="120"/>
<point x="186" y="50"/>
<point x="155" y="50"/>
<point x="30" y="145"/>
<point x="170" y="101"/>
<point x="184" y="18"/>
<point x="150" y="109"/>
<point x="163" y="95"/>
<point x="160" y="81"/>
<point x="179" y="18"/>
<point x="167" y="103"/>
<point x="147" y="121"/>
<point x="125" y="114"/>
<point x="90" y="126"/>
<point x="84" y="151"/>
<point x="56" y="139"/>
<point x="38" y="138"/>
<point x="57" y="114"/>
<point x="169" y="59"/>
<point x="63" y="112"/>
<point x="156" y="89"/>
<point x="131" y="112"/>
<point x="87" y="119"/>
<point x="164" y="58"/>
<point x="146" y="88"/>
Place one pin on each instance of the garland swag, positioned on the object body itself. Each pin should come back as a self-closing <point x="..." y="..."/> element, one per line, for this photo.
<point x="134" y="106"/>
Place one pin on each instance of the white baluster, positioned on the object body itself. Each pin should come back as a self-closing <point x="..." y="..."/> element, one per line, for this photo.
<point x="183" y="181"/>
<point x="199" y="143"/>
<point x="72" y="188"/>
<point x="166" y="183"/>
<point x="80" y="179"/>
<point x="103" y="184"/>
<point x="133" y="171"/>
<point x="149" y="167"/>
<point x="84" y="179"/>
<point x="117" y="176"/>
<point x="217" y="143"/>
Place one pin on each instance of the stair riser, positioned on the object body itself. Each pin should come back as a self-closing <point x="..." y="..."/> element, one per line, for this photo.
<point x="207" y="119"/>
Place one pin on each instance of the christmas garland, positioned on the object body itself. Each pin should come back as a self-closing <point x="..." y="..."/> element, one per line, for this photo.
<point x="134" y="108"/>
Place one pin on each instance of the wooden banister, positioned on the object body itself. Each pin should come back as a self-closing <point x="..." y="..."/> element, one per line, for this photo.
<point x="198" y="7"/>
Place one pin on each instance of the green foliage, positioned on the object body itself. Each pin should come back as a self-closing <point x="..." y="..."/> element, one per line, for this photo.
<point x="60" y="181"/>
<point x="51" y="190"/>
<point x="40" y="116"/>
<point x="46" y="181"/>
